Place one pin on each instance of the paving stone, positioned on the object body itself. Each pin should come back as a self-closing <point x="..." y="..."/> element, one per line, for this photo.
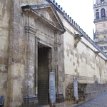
<point x="99" y="101"/>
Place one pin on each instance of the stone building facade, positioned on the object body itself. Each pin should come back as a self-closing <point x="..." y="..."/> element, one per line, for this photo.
<point x="100" y="21"/>
<point x="37" y="37"/>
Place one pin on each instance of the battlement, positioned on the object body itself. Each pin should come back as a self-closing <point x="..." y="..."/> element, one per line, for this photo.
<point x="75" y="25"/>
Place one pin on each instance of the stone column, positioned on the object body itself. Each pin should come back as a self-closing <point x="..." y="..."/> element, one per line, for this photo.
<point x="36" y="65"/>
<point x="4" y="34"/>
<point x="30" y="66"/>
<point x="59" y="63"/>
<point x="16" y="61"/>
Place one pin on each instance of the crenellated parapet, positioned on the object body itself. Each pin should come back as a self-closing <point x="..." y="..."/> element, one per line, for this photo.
<point x="75" y="25"/>
<point x="66" y="16"/>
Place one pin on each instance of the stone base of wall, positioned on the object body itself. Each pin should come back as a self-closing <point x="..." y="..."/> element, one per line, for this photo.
<point x="92" y="90"/>
<point x="30" y="101"/>
<point x="86" y="91"/>
<point x="59" y="98"/>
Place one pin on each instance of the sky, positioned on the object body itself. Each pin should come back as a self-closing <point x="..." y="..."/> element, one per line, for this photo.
<point x="82" y="13"/>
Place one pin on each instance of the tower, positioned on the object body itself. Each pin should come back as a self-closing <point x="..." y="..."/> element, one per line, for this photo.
<point x="100" y="21"/>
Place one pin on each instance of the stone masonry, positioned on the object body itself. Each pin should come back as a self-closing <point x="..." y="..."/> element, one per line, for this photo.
<point x="27" y="27"/>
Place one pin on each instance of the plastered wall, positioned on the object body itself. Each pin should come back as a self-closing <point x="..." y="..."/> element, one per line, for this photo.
<point x="4" y="35"/>
<point x="82" y="60"/>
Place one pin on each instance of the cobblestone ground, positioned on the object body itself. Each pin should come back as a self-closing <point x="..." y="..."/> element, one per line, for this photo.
<point x="99" y="101"/>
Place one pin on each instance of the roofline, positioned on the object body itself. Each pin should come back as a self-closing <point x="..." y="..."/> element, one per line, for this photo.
<point x="30" y="8"/>
<point x="75" y="25"/>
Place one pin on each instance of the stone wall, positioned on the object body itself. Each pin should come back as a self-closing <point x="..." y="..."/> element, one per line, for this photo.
<point x="26" y="32"/>
<point x="86" y="91"/>
<point x="81" y="60"/>
<point x="20" y="35"/>
<point x="4" y="36"/>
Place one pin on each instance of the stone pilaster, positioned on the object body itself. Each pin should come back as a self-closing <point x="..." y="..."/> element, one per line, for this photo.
<point x="59" y="67"/>
<point x="36" y="66"/>
<point x="4" y="33"/>
<point x="16" y="61"/>
<point x="30" y="66"/>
